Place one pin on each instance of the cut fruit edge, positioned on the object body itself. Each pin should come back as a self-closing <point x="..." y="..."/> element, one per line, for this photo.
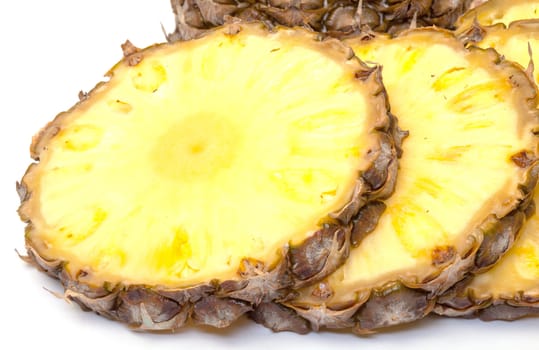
<point x="219" y="303"/>
<point x="403" y="301"/>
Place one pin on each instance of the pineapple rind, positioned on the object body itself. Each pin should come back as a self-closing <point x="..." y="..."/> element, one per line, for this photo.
<point x="336" y="18"/>
<point x="397" y="299"/>
<point x="219" y="303"/>
<point x="510" y="289"/>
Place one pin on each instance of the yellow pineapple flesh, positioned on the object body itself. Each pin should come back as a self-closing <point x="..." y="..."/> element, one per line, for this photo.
<point x="512" y="41"/>
<point x="209" y="160"/>
<point x="499" y="11"/>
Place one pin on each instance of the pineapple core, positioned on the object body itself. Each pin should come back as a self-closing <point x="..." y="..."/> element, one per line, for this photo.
<point x="202" y="154"/>
<point x="465" y="125"/>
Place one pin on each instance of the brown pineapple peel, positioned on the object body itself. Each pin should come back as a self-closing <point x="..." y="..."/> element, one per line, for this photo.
<point x="509" y="290"/>
<point x="335" y="17"/>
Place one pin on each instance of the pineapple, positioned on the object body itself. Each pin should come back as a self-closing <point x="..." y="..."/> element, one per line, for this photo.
<point x="335" y="17"/>
<point x="207" y="176"/>
<point x="499" y="11"/>
<point x="466" y="174"/>
<point x="511" y="288"/>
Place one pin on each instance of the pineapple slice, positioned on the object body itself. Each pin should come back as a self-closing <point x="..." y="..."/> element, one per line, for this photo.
<point x="209" y="175"/>
<point x="335" y="17"/>
<point x="511" y="288"/>
<point x="498" y="11"/>
<point x="465" y="177"/>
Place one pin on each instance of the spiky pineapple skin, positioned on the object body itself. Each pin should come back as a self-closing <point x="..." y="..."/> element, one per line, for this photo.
<point x="397" y="302"/>
<point x="219" y="303"/>
<point x="338" y="18"/>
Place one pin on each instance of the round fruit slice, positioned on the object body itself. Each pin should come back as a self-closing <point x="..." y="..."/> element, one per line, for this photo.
<point x="498" y="11"/>
<point x="335" y="17"/>
<point x="209" y="175"/>
<point x="465" y="177"/>
<point x="510" y="289"/>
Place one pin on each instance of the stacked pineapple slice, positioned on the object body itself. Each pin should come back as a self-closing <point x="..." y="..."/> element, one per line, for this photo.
<point x="196" y="183"/>
<point x="510" y="290"/>
<point x="462" y="189"/>
<point x="256" y="158"/>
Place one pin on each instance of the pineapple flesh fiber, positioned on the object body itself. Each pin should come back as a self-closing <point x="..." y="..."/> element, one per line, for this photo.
<point x="465" y="180"/>
<point x="498" y="11"/>
<point x="209" y="175"/>
<point x="335" y="17"/>
<point x="510" y="289"/>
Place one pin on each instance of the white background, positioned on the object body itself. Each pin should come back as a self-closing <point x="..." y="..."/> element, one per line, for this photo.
<point x="49" y="51"/>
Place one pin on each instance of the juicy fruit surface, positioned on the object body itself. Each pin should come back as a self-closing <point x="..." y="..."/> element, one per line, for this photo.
<point x="456" y="168"/>
<point x="194" y="158"/>
<point x="499" y="11"/>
